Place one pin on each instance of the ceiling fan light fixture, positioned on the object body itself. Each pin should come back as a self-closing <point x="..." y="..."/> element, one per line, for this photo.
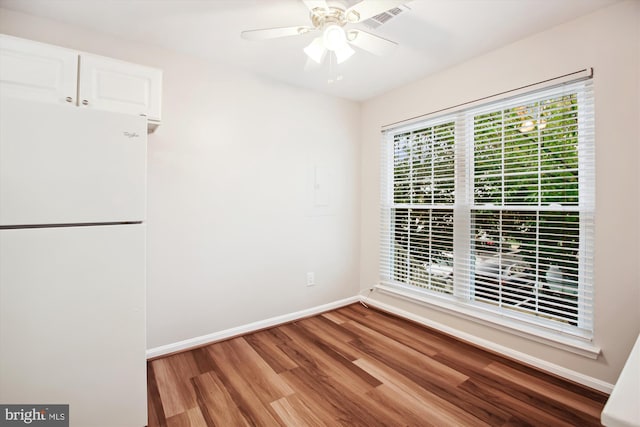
<point x="334" y="37"/>
<point x="316" y="50"/>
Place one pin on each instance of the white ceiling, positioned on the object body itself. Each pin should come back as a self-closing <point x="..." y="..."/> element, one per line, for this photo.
<point x="432" y="35"/>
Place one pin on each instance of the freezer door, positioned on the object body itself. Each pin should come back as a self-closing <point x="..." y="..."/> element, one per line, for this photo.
<point x="61" y="164"/>
<point x="72" y="321"/>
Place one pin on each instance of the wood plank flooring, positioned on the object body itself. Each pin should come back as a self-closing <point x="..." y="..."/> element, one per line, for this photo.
<point x="358" y="367"/>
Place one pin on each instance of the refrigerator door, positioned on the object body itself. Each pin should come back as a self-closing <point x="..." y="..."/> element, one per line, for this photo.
<point x="61" y="164"/>
<point x="72" y="321"/>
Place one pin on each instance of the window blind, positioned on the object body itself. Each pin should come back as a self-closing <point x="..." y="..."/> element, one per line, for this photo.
<point x="493" y="207"/>
<point x="420" y="213"/>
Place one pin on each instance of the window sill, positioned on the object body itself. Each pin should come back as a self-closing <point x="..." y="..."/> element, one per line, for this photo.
<point x="582" y="347"/>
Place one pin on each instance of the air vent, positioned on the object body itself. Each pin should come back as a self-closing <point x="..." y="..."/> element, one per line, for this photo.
<point x="384" y="17"/>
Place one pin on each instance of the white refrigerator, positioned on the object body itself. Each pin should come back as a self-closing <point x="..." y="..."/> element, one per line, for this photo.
<point x="72" y="261"/>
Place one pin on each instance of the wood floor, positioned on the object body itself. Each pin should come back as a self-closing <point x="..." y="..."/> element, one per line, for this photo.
<point x="358" y="367"/>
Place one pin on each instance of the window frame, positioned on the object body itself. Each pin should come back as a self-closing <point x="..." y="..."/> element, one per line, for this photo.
<point x="577" y="338"/>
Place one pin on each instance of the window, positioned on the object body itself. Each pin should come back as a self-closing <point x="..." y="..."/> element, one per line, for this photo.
<point x="491" y="208"/>
<point x="422" y="211"/>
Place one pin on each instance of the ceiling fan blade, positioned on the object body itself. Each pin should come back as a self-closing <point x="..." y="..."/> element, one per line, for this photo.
<point x="367" y="8"/>
<point x="274" y="33"/>
<point x="370" y="42"/>
<point x="315" y="4"/>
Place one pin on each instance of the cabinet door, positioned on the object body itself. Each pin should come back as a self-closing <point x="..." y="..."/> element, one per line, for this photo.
<point x="37" y="71"/>
<point x="112" y="85"/>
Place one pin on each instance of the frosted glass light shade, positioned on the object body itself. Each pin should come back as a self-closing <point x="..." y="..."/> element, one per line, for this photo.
<point x="316" y="50"/>
<point x="343" y="53"/>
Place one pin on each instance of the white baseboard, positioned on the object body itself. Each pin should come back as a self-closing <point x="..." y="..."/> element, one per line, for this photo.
<point x="245" y="329"/>
<point x="527" y="359"/>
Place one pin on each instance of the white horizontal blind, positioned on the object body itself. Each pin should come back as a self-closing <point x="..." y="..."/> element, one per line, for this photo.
<point x="418" y="207"/>
<point x="518" y="177"/>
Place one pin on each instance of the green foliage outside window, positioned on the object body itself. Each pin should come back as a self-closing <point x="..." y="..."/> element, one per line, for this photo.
<point x="525" y="175"/>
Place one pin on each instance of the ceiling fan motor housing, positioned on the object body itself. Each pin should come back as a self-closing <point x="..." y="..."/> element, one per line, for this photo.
<point x="332" y="15"/>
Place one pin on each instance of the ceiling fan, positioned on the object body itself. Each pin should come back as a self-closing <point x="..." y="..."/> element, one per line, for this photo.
<point x="332" y="20"/>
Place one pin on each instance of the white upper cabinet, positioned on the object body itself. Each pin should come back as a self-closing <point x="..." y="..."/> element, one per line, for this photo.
<point x="37" y="71"/>
<point x="112" y="85"/>
<point x="42" y="72"/>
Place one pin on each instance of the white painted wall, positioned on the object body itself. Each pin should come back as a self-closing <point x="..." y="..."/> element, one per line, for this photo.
<point x="609" y="41"/>
<point x="232" y="227"/>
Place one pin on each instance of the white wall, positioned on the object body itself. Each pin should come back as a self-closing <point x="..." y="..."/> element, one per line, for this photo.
<point x="609" y="41"/>
<point x="232" y="229"/>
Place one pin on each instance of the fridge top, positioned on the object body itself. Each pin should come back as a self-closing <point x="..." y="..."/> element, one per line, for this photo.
<point x="63" y="164"/>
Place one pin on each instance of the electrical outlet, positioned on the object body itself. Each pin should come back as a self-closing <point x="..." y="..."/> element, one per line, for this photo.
<point x="311" y="280"/>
